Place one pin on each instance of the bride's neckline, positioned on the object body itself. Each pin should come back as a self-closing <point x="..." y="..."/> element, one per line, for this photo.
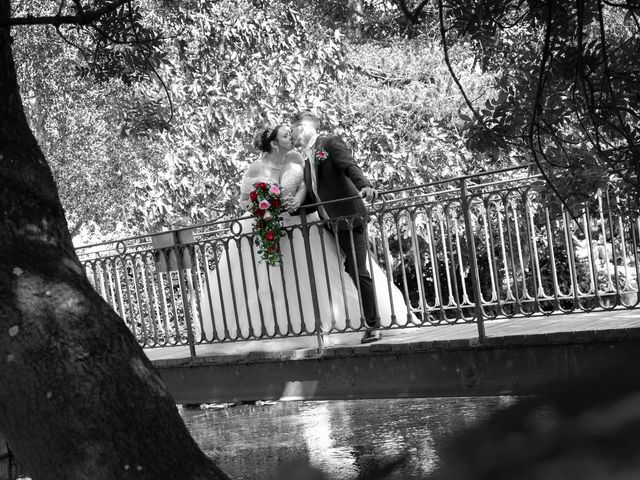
<point x="270" y="165"/>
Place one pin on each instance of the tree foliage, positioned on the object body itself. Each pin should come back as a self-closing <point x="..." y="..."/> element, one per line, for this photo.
<point x="79" y="123"/>
<point x="565" y="87"/>
<point x="184" y="99"/>
<point x="185" y="86"/>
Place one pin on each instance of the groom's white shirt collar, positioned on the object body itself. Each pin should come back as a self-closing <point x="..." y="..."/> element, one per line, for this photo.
<point x="312" y="141"/>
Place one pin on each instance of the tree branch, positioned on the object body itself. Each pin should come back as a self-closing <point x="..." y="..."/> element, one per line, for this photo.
<point x="83" y="17"/>
<point x="413" y="17"/>
<point x="73" y="231"/>
<point x="447" y="60"/>
<point x="85" y="53"/>
<point x="146" y="57"/>
<point x="537" y="108"/>
<point x="402" y="5"/>
<point x="418" y="11"/>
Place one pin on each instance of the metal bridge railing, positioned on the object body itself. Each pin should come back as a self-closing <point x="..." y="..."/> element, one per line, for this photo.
<point x="461" y="250"/>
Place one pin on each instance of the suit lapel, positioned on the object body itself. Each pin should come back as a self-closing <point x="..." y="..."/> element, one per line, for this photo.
<point x="319" y="143"/>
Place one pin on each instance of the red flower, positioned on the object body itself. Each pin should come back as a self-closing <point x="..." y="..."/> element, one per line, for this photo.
<point x="253" y="195"/>
<point x="320" y="156"/>
<point x="270" y="236"/>
<point x="261" y="185"/>
<point x="258" y="212"/>
<point x="272" y="249"/>
<point x="275" y="203"/>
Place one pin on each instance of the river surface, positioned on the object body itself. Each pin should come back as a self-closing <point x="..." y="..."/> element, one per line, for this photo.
<point x="342" y="438"/>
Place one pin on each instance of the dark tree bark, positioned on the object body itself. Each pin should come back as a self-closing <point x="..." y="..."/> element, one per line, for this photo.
<point x="78" y="397"/>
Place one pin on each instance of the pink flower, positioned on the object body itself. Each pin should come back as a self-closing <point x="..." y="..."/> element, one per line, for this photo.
<point x="320" y="156"/>
<point x="264" y="204"/>
<point x="275" y="189"/>
<point x="267" y="215"/>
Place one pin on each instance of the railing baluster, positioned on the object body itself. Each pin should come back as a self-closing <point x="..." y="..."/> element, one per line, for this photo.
<point x="435" y="267"/>
<point x="294" y="263"/>
<point x="396" y="220"/>
<point x="370" y="260"/>
<point x="179" y="250"/>
<point x="207" y="281"/>
<point x="575" y="290"/>
<point x="323" y="249"/>
<point x="174" y="307"/>
<point x="289" y="329"/>
<point x="452" y="279"/>
<point x="417" y="262"/>
<point x="552" y="259"/>
<point x="512" y="259"/>
<point x="616" y="271"/>
<point x="241" y="261"/>
<point x="491" y="258"/>
<point x="132" y="317"/>
<point x="473" y="262"/>
<point x="312" y="280"/>
<point x="388" y="265"/>
<point x="148" y="282"/>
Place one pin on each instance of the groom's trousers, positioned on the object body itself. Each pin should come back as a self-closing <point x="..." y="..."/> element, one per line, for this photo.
<point x="357" y="269"/>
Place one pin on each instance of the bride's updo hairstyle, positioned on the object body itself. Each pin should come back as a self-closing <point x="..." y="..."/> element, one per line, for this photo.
<point x="263" y="139"/>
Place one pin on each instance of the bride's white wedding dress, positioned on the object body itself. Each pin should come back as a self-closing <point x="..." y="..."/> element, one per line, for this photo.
<point x="248" y="299"/>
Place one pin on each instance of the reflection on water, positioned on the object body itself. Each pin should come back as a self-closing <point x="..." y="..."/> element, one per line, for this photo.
<point x="341" y="437"/>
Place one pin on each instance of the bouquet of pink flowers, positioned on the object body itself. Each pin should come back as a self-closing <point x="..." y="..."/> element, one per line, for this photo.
<point x="266" y="205"/>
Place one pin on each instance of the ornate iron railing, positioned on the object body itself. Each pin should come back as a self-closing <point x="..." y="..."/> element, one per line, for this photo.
<point x="466" y="249"/>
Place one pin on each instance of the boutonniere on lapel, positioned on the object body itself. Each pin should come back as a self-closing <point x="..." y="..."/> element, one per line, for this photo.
<point x="320" y="155"/>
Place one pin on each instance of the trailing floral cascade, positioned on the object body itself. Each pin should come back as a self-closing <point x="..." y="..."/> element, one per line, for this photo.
<point x="266" y="205"/>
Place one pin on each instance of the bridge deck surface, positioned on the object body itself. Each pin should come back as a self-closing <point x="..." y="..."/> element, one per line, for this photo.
<point x="556" y="324"/>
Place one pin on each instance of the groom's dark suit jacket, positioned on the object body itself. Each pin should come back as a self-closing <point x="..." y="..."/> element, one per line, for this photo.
<point x="338" y="176"/>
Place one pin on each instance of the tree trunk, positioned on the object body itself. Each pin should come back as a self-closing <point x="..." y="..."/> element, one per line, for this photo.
<point x="78" y="397"/>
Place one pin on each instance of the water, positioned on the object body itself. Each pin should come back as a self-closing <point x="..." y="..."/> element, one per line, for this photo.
<point x="340" y="437"/>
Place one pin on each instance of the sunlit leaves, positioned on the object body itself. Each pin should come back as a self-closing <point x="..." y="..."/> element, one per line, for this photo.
<point x="228" y="68"/>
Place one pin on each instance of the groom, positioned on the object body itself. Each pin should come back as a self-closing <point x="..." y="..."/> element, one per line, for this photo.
<point x="330" y="173"/>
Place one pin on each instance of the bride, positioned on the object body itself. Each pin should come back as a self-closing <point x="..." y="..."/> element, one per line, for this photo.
<point x="245" y="298"/>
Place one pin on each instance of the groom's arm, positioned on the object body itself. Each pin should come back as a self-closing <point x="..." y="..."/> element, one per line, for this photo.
<point x="342" y="157"/>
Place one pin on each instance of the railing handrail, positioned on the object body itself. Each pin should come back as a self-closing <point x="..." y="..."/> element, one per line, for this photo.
<point x="220" y="221"/>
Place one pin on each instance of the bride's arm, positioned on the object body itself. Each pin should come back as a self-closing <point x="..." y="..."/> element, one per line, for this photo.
<point x="299" y="197"/>
<point x="246" y="186"/>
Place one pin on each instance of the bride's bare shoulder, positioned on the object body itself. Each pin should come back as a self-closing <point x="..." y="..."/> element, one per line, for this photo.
<point x="294" y="157"/>
<point x="255" y="169"/>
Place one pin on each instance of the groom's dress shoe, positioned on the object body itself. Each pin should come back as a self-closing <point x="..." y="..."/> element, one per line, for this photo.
<point x="371" y="336"/>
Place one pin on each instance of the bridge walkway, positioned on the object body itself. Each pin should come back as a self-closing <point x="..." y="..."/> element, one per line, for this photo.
<point x="521" y="356"/>
<point x="498" y="331"/>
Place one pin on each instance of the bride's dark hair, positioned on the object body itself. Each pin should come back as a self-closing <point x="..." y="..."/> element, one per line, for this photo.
<point x="263" y="139"/>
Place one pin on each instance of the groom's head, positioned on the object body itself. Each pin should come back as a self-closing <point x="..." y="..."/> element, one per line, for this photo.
<point x="304" y="125"/>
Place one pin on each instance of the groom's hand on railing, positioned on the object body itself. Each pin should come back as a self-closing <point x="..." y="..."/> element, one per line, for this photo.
<point x="369" y="194"/>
